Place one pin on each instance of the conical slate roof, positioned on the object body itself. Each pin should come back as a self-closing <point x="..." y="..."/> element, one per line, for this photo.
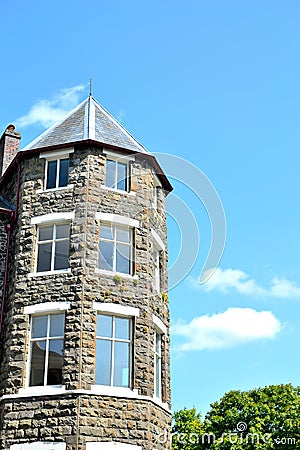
<point x="89" y="120"/>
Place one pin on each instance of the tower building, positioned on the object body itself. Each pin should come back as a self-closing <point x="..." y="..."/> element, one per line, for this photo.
<point x="84" y="317"/>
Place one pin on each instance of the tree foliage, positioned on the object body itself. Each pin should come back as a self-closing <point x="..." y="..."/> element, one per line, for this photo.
<point x="263" y="418"/>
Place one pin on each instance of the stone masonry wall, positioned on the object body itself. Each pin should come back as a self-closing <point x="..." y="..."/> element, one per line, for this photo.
<point x="78" y="419"/>
<point x="81" y="287"/>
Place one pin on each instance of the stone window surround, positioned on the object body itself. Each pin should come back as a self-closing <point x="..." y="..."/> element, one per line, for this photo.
<point x="50" y="156"/>
<point x="125" y="159"/>
<point x="42" y="309"/>
<point x="40" y="445"/>
<point x="116" y="219"/>
<point x="52" y="218"/>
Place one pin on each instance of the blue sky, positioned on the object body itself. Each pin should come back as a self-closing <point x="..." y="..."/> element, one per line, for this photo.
<point x="216" y="83"/>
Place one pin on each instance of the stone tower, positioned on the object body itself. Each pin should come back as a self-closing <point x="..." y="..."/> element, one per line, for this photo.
<point x="83" y="281"/>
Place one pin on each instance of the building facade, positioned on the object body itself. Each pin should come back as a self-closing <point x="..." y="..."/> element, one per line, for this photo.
<point x="84" y="307"/>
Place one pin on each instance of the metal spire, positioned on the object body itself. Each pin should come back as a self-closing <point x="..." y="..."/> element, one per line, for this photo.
<point x="91" y="86"/>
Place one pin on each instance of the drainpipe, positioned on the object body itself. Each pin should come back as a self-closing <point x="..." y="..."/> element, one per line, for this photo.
<point x="9" y="227"/>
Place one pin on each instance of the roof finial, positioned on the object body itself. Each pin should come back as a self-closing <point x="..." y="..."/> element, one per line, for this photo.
<point x="91" y="88"/>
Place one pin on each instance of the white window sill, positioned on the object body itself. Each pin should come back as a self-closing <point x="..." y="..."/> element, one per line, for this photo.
<point x="117" y="191"/>
<point x="49" y="272"/>
<point x="118" y="274"/>
<point x="113" y="391"/>
<point x="41" y="390"/>
<point x="40" y="191"/>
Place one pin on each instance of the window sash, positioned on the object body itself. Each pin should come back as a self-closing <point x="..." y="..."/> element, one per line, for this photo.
<point x="44" y="360"/>
<point x="114" y="246"/>
<point x="113" y="343"/>
<point x="53" y="245"/>
<point x="61" y="173"/>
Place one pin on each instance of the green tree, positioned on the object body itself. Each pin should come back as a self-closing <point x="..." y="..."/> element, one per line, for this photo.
<point x="187" y="429"/>
<point x="259" y="419"/>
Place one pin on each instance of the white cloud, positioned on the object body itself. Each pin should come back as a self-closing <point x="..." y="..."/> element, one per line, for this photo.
<point x="230" y="328"/>
<point x="46" y="112"/>
<point x="233" y="280"/>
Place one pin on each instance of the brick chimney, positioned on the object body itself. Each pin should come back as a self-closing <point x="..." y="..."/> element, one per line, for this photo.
<point x="9" y="146"/>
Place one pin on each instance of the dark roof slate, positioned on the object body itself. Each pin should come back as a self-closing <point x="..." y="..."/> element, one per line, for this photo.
<point x="89" y="120"/>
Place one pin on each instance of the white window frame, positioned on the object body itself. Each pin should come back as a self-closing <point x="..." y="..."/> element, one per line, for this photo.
<point x="123" y="159"/>
<point x="53" y="241"/>
<point x="113" y="340"/>
<point x="115" y="243"/>
<point x="55" y="156"/>
<point x="156" y="275"/>
<point x="157" y="184"/>
<point x="160" y="329"/>
<point x="158" y="248"/>
<point x="121" y="221"/>
<point x="50" y="219"/>
<point x="157" y="363"/>
<point x="48" y="311"/>
<point x="40" y="445"/>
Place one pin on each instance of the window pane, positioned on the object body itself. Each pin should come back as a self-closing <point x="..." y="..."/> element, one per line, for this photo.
<point x="62" y="231"/>
<point x="55" y="362"/>
<point x="123" y="258"/>
<point x="121" y="364"/>
<point x="104" y="326"/>
<point x="110" y="173"/>
<point x="63" y="172"/>
<point x="51" y="174"/>
<point x="37" y="365"/>
<point x="57" y="324"/>
<point x="44" y="257"/>
<point x="39" y="326"/>
<point x="106" y="232"/>
<point x="61" y="260"/>
<point x="103" y="362"/>
<point x="122" y="177"/>
<point x="45" y="233"/>
<point x="123" y="235"/>
<point x="106" y="251"/>
<point x="122" y="328"/>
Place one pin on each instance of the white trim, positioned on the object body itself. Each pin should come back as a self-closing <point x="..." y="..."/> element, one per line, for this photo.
<point x="40" y="445"/>
<point x="128" y="311"/>
<point x="118" y="219"/>
<point x="52" y="217"/>
<point x="159" y="324"/>
<point x="95" y="390"/>
<point x="40" y="191"/>
<point x="158" y="241"/>
<point x="118" y="156"/>
<point x="112" y="274"/>
<point x="57" y="154"/>
<point x="113" y="445"/>
<point x="49" y="272"/>
<point x="47" y="307"/>
<point x="117" y="191"/>
<point x="33" y="391"/>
